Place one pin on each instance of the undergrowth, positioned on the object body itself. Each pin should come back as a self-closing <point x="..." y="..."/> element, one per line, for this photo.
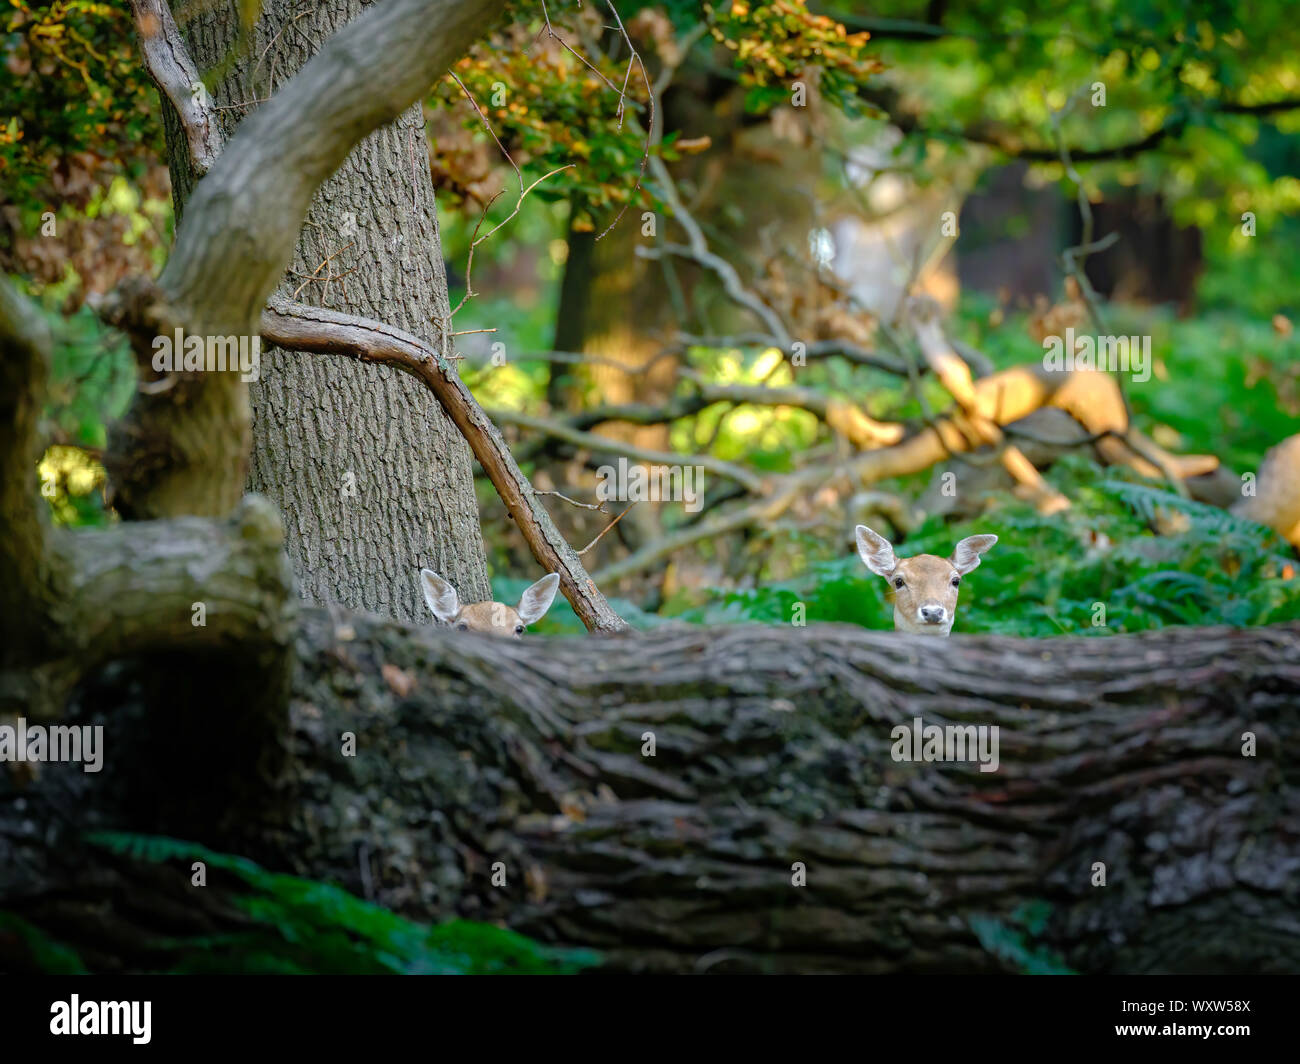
<point x="1096" y="569"/>
<point x="297" y="926"/>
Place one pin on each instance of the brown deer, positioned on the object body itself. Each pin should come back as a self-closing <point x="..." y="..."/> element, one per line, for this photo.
<point x="495" y="618"/>
<point x="925" y="586"/>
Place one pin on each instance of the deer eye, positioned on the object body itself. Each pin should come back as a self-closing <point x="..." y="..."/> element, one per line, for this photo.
<point x="899" y="581"/>
<point x="956" y="580"/>
<point x="519" y="629"/>
<point x="463" y="626"/>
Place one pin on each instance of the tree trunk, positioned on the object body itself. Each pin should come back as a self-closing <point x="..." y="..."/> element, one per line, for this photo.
<point x="773" y="749"/>
<point x="1156" y="260"/>
<point x="372" y="479"/>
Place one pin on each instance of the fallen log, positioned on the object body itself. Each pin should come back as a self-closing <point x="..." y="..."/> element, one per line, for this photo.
<point x="511" y="781"/>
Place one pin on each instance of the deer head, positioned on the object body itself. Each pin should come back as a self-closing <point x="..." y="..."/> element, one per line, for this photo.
<point x="495" y="618"/>
<point x="925" y="586"/>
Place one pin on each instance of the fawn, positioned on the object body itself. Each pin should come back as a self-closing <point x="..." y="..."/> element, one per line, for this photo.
<point x="925" y="586"/>
<point x="495" y="618"/>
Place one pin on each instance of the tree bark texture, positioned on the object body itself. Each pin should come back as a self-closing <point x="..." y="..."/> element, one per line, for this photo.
<point x="372" y="479"/>
<point x="773" y="749"/>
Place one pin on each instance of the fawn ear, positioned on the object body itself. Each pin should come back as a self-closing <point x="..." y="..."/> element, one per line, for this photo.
<point x="876" y="552"/>
<point x="537" y="599"/>
<point x="440" y="596"/>
<point x="966" y="555"/>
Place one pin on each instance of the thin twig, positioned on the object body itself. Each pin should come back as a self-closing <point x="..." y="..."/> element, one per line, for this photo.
<point x="606" y="529"/>
<point x="599" y="508"/>
<point x="330" y="275"/>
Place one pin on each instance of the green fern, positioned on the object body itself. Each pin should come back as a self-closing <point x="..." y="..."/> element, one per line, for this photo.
<point x="1012" y="939"/>
<point x="1048" y="575"/>
<point x="1147" y="502"/>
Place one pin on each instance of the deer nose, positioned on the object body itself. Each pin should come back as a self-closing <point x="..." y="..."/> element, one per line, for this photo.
<point x="933" y="614"/>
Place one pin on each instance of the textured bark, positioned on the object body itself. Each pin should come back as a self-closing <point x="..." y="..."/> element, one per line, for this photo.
<point x="373" y="481"/>
<point x="773" y="747"/>
<point x="71" y="602"/>
<point x="132" y="589"/>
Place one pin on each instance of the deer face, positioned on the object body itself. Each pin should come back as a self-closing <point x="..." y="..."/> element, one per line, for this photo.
<point x="925" y="586"/>
<point x="495" y="618"/>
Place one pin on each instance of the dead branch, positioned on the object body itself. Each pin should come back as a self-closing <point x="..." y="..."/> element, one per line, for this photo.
<point x="601" y="534"/>
<point x="955" y="375"/>
<point x="762" y="511"/>
<point x="302" y="328"/>
<point x="697" y="250"/>
<point x="606" y="445"/>
<point x="1087" y="396"/>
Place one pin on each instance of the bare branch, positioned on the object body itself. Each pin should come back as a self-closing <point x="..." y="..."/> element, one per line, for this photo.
<point x="580" y="358"/>
<point x="698" y="251"/>
<point x="763" y="395"/>
<point x="1090" y="398"/>
<point x="604" y="444"/>
<point x="758" y="512"/>
<point x="598" y="507"/>
<point x="607" y="528"/>
<point x="816" y="349"/>
<point x="297" y="327"/>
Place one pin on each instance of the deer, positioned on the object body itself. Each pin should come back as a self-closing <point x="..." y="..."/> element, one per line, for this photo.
<point x="493" y="618"/>
<point x="925" y="585"/>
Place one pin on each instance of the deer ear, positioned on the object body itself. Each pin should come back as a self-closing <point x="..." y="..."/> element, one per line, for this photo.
<point x="876" y="552"/>
<point x="537" y="598"/>
<point x="440" y="596"/>
<point x="966" y="555"/>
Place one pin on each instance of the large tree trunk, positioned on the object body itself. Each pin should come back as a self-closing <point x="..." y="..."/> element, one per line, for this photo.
<point x="773" y="748"/>
<point x="373" y="481"/>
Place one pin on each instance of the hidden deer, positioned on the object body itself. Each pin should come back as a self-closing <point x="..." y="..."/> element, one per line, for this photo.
<point x="925" y="585"/>
<point x="495" y="618"/>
